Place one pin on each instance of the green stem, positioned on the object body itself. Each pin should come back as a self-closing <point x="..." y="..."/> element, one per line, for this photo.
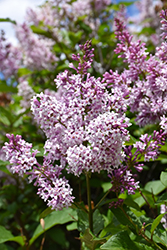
<point x="89" y="202"/>
<point x="101" y="200"/>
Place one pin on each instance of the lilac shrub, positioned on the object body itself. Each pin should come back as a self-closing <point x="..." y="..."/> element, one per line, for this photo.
<point x="86" y="125"/>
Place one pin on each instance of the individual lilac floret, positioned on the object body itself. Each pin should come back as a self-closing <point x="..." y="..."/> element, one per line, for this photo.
<point x="56" y="191"/>
<point x="18" y="153"/>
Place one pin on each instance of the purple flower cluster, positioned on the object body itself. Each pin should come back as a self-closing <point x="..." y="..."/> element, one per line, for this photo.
<point x="149" y="146"/>
<point x="26" y="92"/>
<point x="82" y="130"/>
<point x="10" y="58"/>
<point x="56" y="191"/>
<point x="18" y="153"/>
<point x="85" y="62"/>
<point x="122" y="179"/>
<point x="37" y="52"/>
<point x="142" y="85"/>
<point x="104" y="137"/>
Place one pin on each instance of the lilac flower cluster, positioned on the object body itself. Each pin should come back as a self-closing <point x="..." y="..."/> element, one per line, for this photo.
<point x="10" y="58"/>
<point x="143" y="84"/>
<point x="149" y="146"/>
<point x="26" y="92"/>
<point x="81" y="129"/>
<point x="18" y="153"/>
<point x="37" y="51"/>
<point x="56" y="191"/>
<point x="122" y="179"/>
<point x="148" y="16"/>
<point x="87" y="60"/>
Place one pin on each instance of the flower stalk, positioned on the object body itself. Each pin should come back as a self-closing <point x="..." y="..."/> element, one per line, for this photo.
<point x="90" y="211"/>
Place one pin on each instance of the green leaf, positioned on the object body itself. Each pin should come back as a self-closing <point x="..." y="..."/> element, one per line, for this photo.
<point x="6" y="88"/>
<point x="3" y="168"/>
<point x="58" y="235"/>
<point x="40" y="31"/>
<point x="163" y="178"/>
<point x="5" y="113"/>
<point x="83" y="221"/>
<point x="98" y="222"/>
<point x="110" y="230"/>
<point x="129" y="202"/>
<point x="72" y="226"/>
<point x="3" y="247"/>
<point x="162" y="199"/>
<point x="54" y="218"/>
<point x="126" y="217"/>
<point x="75" y="37"/>
<point x="156" y="223"/>
<point x="90" y="240"/>
<point x="120" y="241"/>
<point x="106" y="186"/>
<point x="6" y="235"/>
<point x="46" y="212"/>
<point x="148" y="195"/>
<point x="155" y="187"/>
<point x="7" y="20"/>
<point x="23" y="72"/>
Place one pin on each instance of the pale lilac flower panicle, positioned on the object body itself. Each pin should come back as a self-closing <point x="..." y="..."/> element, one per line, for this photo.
<point x="10" y="58"/>
<point x="51" y="188"/>
<point x="18" y="153"/>
<point x="133" y="52"/>
<point x="37" y="51"/>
